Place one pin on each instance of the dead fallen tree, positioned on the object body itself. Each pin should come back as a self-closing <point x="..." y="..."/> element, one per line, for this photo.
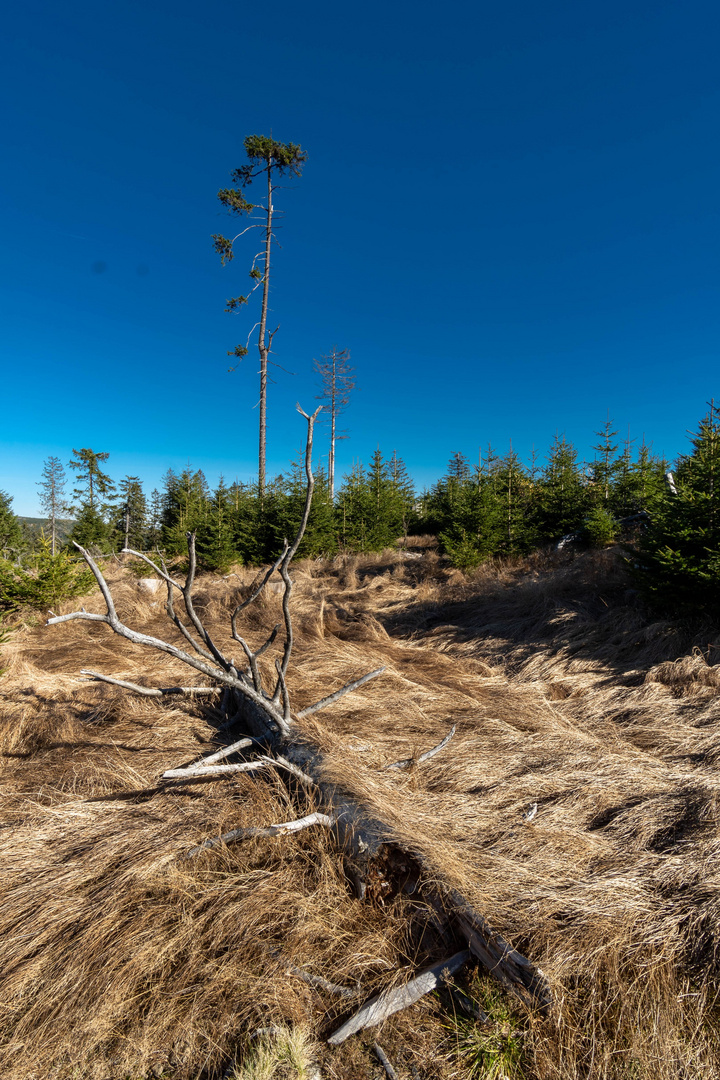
<point x="273" y="739"/>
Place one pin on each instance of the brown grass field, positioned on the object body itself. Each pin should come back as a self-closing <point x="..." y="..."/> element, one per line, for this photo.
<point x="123" y="961"/>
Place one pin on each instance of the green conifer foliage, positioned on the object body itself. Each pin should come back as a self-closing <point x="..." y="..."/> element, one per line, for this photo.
<point x="154" y="533"/>
<point x="385" y="524"/>
<point x="93" y="483"/>
<point x="679" y="555"/>
<point x="131" y="524"/>
<point x="249" y="531"/>
<point x="95" y="492"/>
<point x="600" y="528"/>
<point x="604" y="467"/>
<point x="562" y="499"/>
<point x="52" y="495"/>
<point x="513" y="496"/>
<point x="375" y="506"/>
<point x="266" y="156"/>
<point x="90" y="531"/>
<point x="454" y="509"/>
<point x="353" y="510"/>
<point x="638" y="483"/>
<point x="11" y="536"/>
<point x="56" y="578"/>
<point x="186" y="508"/>
<point x="283" y="510"/>
<point x="214" y="542"/>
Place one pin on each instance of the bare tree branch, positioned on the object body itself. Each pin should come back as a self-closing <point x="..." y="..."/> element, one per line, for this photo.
<point x="111" y="618"/>
<point x="160" y="573"/>
<point x="332" y="698"/>
<point x="263" y="830"/>
<point x="270" y="640"/>
<point x="383" y="1059"/>
<point x="388" y="1002"/>
<point x="177" y="621"/>
<point x="324" y="984"/>
<point x="187" y="600"/>
<point x="147" y="691"/>
<point x="294" y="769"/>
<point x="256" y="592"/>
<point x="226" y="751"/>
<point x="407" y="762"/>
<point x="216" y="770"/>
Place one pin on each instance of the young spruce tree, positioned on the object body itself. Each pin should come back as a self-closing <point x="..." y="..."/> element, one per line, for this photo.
<point x="11" y="536"/>
<point x="679" y="554"/>
<point x="52" y="496"/>
<point x="95" y="492"/>
<point x="131" y="523"/>
<point x="337" y="379"/>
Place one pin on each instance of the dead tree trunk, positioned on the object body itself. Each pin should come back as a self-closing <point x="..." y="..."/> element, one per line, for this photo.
<point x="274" y="731"/>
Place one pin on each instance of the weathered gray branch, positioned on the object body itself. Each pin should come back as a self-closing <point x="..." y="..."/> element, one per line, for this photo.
<point x="148" y="691"/>
<point x="217" y="770"/>
<point x="263" y="830"/>
<point x="226" y="751"/>
<point x="407" y="762"/>
<point x="324" y="984"/>
<point x="260" y="762"/>
<point x="296" y="771"/>
<point x="256" y="592"/>
<point x="177" y="621"/>
<point x="161" y="573"/>
<point x="513" y="970"/>
<point x="384" y="1061"/>
<point x="391" y="1001"/>
<point x="332" y="698"/>
<point x="289" y="555"/>
<point x="224" y="663"/>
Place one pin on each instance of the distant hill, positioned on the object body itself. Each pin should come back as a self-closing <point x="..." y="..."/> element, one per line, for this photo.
<point x="32" y="527"/>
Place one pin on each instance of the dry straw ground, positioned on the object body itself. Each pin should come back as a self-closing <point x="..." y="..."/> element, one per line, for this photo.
<point x="121" y="959"/>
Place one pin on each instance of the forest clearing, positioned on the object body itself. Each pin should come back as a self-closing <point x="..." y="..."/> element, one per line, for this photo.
<point x="576" y="808"/>
<point x="383" y="743"/>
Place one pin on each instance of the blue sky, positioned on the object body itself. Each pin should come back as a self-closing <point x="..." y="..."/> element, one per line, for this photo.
<point x="509" y="215"/>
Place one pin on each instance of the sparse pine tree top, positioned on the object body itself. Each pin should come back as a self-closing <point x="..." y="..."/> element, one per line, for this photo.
<point x="92" y="480"/>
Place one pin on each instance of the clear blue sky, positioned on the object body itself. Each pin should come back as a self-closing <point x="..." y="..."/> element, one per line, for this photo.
<point x="509" y="215"/>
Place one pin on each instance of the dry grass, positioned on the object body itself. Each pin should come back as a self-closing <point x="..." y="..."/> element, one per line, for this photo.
<point x="120" y="959"/>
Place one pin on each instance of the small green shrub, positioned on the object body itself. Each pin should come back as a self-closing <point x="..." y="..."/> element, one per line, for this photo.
<point x="462" y="551"/>
<point x="56" y="578"/>
<point x="600" y="528"/>
<point x="493" y="1050"/>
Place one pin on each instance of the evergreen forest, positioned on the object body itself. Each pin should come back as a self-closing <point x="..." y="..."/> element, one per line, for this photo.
<point x="667" y="515"/>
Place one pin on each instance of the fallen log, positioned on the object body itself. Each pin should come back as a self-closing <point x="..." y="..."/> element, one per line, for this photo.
<point x="267" y="717"/>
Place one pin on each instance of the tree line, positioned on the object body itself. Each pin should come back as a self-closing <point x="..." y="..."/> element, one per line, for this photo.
<point x="233" y="523"/>
<point x="496" y="507"/>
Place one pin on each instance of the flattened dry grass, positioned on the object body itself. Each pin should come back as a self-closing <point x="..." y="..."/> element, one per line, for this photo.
<point x="120" y="958"/>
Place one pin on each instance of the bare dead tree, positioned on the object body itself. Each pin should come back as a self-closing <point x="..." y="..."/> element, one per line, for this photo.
<point x="273" y="738"/>
<point x="337" y="380"/>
